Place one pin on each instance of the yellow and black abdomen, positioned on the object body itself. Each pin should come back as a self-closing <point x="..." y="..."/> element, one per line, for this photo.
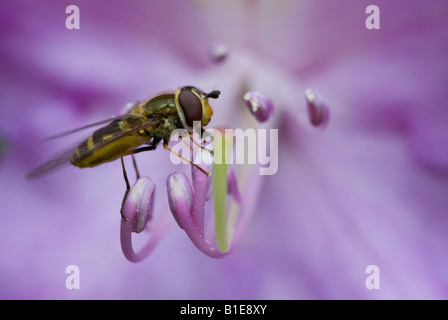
<point x="103" y="146"/>
<point x="89" y="154"/>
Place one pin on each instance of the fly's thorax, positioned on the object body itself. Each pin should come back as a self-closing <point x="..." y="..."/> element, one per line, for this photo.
<point x="163" y="104"/>
<point x="166" y="126"/>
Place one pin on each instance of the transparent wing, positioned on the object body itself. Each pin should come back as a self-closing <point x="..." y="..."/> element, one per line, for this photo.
<point x="113" y="131"/>
<point x="122" y="117"/>
<point x="56" y="162"/>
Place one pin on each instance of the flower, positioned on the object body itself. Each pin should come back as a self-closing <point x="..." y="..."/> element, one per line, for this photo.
<point x="369" y="189"/>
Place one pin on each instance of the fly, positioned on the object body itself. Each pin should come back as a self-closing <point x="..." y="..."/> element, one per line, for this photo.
<point x="141" y="129"/>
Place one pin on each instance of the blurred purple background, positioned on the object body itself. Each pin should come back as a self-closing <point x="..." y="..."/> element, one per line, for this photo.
<point x="370" y="189"/>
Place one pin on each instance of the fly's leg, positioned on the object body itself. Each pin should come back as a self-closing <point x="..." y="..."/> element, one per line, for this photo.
<point x="137" y="173"/>
<point x="128" y="187"/>
<point x="138" y="150"/>
<point x="165" y="146"/>
<point x="200" y="145"/>
<point x="125" y="175"/>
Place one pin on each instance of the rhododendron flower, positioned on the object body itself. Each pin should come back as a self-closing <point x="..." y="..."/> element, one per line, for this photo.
<point x="365" y="187"/>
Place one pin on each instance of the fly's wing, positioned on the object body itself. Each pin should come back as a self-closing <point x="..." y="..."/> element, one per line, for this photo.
<point x="62" y="134"/>
<point x="134" y="123"/>
<point x="56" y="162"/>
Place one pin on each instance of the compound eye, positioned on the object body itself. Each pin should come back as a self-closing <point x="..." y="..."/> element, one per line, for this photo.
<point x="191" y="106"/>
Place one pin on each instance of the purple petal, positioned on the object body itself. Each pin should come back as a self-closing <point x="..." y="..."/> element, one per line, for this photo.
<point x="371" y="189"/>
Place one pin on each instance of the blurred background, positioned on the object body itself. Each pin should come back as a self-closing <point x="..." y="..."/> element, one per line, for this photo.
<point x="371" y="188"/>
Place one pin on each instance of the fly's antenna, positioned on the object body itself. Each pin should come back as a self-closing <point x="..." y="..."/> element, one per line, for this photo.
<point x="214" y="94"/>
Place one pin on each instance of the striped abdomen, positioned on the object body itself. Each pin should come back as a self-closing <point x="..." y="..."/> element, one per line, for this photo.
<point x="109" y="143"/>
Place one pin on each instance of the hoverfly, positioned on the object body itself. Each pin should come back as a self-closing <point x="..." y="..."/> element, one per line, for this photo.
<point x="147" y="124"/>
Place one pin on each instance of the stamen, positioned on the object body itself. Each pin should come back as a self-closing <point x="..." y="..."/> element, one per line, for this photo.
<point x="259" y="105"/>
<point x="188" y="203"/>
<point x="138" y="204"/>
<point x="218" y="52"/>
<point x="233" y="190"/>
<point x="191" y="217"/>
<point x="180" y="195"/>
<point x="137" y="211"/>
<point x="317" y="109"/>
